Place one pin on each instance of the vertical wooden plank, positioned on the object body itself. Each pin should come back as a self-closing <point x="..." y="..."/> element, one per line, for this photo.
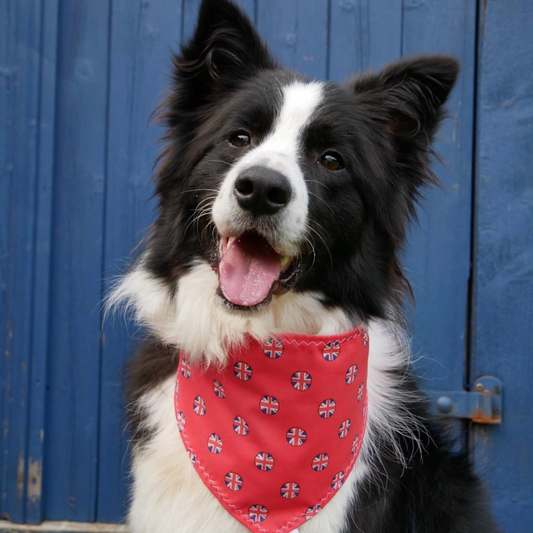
<point x="297" y="33"/>
<point x="503" y="256"/>
<point x="41" y="278"/>
<point x="364" y="34"/>
<point x="20" y="31"/>
<point x="143" y="34"/>
<point x="70" y="480"/>
<point x="438" y="257"/>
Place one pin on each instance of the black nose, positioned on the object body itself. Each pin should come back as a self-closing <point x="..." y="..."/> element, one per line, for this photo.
<point x="262" y="191"/>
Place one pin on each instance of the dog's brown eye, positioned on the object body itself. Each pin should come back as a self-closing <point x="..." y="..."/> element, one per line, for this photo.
<point x="331" y="161"/>
<point x="240" y="139"/>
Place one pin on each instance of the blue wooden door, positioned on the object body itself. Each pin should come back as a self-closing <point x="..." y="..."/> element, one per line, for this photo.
<point x="78" y="82"/>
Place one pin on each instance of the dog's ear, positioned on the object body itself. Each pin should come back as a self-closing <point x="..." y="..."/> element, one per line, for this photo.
<point x="224" y="51"/>
<point x="408" y="97"/>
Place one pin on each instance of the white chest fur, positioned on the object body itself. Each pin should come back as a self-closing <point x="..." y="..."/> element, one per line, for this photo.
<point x="169" y="497"/>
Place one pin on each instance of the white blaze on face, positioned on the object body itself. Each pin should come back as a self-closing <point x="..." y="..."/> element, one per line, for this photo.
<point x="249" y="266"/>
<point x="280" y="151"/>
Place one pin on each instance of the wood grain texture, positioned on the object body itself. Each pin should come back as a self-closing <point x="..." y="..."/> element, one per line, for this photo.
<point x="71" y="454"/>
<point x="364" y="34"/>
<point x="297" y="33"/>
<point x="42" y="256"/>
<point x="142" y="37"/>
<point x="503" y="299"/>
<point x="438" y="257"/>
<point x="20" y="34"/>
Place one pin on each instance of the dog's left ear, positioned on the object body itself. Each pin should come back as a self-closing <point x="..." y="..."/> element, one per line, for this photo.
<point x="408" y="96"/>
<point x="224" y="51"/>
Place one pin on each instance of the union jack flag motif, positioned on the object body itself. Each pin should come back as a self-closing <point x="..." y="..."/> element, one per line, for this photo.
<point x="355" y="445"/>
<point x="365" y="338"/>
<point x="360" y="392"/>
<point x="312" y="511"/>
<point x="240" y="426"/>
<point x="301" y="380"/>
<point x="350" y="374"/>
<point x="185" y="368"/>
<point x="320" y="462"/>
<point x="233" y="481"/>
<point x="243" y="371"/>
<point x="180" y="417"/>
<point x="337" y="481"/>
<point x="214" y="444"/>
<point x="199" y="406"/>
<point x="296" y="436"/>
<point x="290" y="490"/>
<point x="365" y="409"/>
<point x="331" y="351"/>
<point x="219" y="389"/>
<point x="273" y="348"/>
<point x="264" y="461"/>
<point x="269" y="405"/>
<point x="344" y="428"/>
<point x="258" y="513"/>
<point x="192" y="457"/>
<point x="327" y="408"/>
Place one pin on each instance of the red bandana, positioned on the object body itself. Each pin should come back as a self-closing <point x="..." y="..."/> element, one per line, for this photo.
<point x="275" y="433"/>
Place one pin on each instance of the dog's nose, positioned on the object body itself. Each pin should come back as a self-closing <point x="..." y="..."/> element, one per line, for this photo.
<point x="262" y="191"/>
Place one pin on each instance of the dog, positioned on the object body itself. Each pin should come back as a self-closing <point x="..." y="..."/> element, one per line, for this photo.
<point x="305" y="189"/>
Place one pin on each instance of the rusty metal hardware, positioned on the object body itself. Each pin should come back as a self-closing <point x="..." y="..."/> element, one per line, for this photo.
<point x="482" y="405"/>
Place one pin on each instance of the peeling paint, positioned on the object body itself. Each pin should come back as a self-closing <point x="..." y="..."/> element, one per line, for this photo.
<point x="21" y="469"/>
<point x="35" y="469"/>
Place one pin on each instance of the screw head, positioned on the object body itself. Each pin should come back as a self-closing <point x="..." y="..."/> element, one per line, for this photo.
<point x="479" y="387"/>
<point x="496" y="389"/>
<point x="445" y="404"/>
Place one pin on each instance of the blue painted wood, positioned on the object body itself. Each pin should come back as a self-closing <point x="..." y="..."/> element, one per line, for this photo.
<point x="43" y="234"/>
<point x="20" y="28"/>
<point x="438" y="258"/>
<point x="365" y="34"/>
<point x="142" y="36"/>
<point x="502" y="333"/>
<point x="71" y="454"/>
<point x="297" y="33"/>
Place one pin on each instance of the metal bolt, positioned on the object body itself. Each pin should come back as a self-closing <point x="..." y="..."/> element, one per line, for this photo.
<point x="479" y="387"/>
<point x="495" y="411"/>
<point x="445" y="404"/>
<point x="496" y="389"/>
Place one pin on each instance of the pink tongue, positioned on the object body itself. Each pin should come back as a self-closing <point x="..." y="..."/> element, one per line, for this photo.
<point x="248" y="269"/>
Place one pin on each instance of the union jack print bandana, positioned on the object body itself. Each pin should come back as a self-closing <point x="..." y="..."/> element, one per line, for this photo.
<point x="275" y="433"/>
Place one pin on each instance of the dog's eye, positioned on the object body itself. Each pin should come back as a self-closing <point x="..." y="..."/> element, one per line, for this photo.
<point x="331" y="161"/>
<point x="240" y="139"/>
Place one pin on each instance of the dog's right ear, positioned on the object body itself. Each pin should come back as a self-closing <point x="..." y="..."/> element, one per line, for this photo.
<point x="224" y="51"/>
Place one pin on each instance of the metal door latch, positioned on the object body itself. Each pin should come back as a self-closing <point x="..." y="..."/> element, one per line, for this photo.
<point x="482" y="405"/>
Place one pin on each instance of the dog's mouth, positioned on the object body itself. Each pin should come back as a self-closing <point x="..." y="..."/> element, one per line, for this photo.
<point x="250" y="270"/>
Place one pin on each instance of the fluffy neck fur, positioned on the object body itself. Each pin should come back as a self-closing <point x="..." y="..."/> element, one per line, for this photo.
<point x="194" y="320"/>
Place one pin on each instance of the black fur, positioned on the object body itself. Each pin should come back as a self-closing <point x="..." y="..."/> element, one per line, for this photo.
<point x="383" y="125"/>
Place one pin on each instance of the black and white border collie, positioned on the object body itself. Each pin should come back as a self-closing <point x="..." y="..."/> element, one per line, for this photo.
<point x="307" y="187"/>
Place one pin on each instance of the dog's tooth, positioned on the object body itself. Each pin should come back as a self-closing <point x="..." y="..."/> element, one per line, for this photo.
<point x="285" y="261"/>
<point x="230" y="241"/>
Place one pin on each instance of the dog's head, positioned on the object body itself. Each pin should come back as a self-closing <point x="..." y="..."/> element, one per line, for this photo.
<point x="285" y="185"/>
